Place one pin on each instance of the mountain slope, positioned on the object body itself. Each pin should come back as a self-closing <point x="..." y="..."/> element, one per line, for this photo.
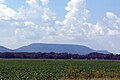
<point x="103" y="51"/>
<point x="38" y="47"/>
<point x="58" y="48"/>
<point x="3" y="49"/>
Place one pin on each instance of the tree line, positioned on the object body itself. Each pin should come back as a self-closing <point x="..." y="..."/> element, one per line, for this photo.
<point x="53" y="55"/>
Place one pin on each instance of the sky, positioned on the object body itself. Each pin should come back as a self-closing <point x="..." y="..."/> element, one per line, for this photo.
<point x="93" y="23"/>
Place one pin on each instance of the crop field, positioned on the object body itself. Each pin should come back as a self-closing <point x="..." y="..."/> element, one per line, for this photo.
<point x="18" y="69"/>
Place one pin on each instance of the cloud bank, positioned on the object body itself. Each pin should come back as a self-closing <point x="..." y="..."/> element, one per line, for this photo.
<point x="37" y="23"/>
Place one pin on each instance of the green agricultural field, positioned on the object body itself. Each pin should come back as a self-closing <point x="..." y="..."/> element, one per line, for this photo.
<point x="59" y="70"/>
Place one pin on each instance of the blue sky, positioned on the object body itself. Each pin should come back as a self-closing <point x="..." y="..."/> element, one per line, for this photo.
<point x="94" y="23"/>
<point x="98" y="8"/>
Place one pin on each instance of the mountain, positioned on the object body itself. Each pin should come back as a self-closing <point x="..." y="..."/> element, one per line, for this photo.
<point x="58" y="48"/>
<point x="103" y="51"/>
<point x="39" y="47"/>
<point x="69" y="48"/>
<point x="3" y="49"/>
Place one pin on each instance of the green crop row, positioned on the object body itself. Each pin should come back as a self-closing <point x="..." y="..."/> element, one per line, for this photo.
<point x="58" y="69"/>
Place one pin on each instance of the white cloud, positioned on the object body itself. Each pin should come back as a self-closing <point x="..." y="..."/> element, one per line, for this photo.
<point x="31" y="2"/>
<point x="112" y="32"/>
<point x="111" y="23"/>
<point x="45" y="2"/>
<point x="110" y="15"/>
<point x="39" y="22"/>
<point x="93" y="30"/>
<point x="111" y="20"/>
<point x="76" y="11"/>
<point x="2" y="1"/>
<point x="76" y="22"/>
<point x="37" y="2"/>
<point x="77" y="15"/>
<point x="48" y="15"/>
<point x="6" y="13"/>
<point x="30" y="24"/>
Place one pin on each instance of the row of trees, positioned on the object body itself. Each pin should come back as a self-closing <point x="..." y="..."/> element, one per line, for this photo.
<point x="53" y="55"/>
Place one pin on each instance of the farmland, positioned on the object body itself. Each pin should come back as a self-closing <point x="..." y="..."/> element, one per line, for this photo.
<point x="28" y="69"/>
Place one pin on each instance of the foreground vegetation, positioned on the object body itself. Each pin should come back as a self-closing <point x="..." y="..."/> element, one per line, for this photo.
<point x="18" y="69"/>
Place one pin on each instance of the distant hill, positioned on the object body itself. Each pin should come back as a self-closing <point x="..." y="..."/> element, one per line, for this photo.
<point x="3" y="49"/>
<point x="58" y="48"/>
<point x="69" y="48"/>
<point x="103" y="51"/>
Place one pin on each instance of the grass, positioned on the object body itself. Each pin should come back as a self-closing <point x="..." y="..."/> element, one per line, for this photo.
<point x="18" y="69"/>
